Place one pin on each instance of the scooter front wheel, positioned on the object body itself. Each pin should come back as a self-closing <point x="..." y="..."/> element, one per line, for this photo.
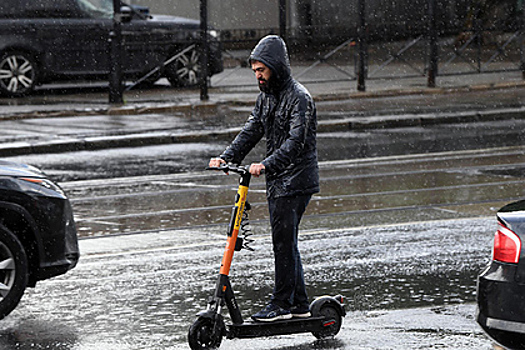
<point x="204" y="334"/>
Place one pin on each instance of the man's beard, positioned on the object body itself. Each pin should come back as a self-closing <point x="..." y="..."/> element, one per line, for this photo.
<point x="267" y="85"/>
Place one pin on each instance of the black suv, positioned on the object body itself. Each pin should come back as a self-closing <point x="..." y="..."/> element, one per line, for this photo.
<point x="50" y="40"/>
<point x="38" y="238"/>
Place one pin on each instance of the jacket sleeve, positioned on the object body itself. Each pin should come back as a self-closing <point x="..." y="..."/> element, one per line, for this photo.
<point x="291" y="148"/>
<point x="248" y="137"/>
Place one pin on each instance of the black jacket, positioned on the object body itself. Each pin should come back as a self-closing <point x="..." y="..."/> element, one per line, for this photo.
<point x="288" y="119"/>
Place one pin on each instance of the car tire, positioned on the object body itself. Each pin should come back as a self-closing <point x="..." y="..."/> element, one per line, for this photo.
<point x="186" y="70"/>
<point x="13" y="271"/>
<point x="18" y="73"/>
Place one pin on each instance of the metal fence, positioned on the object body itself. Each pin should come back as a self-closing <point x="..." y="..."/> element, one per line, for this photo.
<point x="431" y="38"/>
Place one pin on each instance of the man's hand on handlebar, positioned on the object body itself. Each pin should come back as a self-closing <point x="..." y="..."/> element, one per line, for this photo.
<point x="216" y="162"/>
<point x="256" y="169"/>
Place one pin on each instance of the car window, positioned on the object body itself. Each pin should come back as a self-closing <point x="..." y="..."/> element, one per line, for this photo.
<point x="97" y="8"/>
<point x="39" y="9"/>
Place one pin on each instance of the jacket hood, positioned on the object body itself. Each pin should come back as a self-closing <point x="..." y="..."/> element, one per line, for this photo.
<point x="271" y="50"/>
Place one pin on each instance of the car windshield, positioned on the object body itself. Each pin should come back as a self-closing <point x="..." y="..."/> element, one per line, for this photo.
<point x="97" y="8"/>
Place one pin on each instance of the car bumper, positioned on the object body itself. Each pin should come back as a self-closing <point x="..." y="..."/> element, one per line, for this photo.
<point x="501" y="305"/>
<point x="489" y="323"/>
<point x="61" y="245"/>
<point x="509" y="334"/>
<point x="55" y="269"/>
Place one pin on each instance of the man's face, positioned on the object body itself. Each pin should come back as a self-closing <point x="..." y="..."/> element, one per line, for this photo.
<point x="262" y="74"/>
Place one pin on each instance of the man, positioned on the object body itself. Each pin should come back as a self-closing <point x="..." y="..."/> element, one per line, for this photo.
<point x="285" y="115"/>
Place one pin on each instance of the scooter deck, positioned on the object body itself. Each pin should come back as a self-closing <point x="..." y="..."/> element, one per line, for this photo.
<point x="252" y="329"/>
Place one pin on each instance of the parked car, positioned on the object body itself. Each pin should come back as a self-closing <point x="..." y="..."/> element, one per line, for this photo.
<point x="38" y="238"/>
<point x="501" y="286"/>
<point x="50" y="40"/>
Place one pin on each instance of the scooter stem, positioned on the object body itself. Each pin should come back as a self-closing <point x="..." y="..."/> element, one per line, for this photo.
<point x="235" y="223"/>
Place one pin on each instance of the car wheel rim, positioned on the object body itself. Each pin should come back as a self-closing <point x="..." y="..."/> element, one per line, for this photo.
<point x="16" y="74"/>
<point x="7" y="270"/>
<point x="188" y="68"/>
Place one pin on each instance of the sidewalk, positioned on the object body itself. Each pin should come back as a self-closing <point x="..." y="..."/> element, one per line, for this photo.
<point x="85" y="121"/>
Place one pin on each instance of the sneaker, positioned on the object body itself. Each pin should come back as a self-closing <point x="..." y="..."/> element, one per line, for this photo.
<point x="300" y="311"/>
<point x="272" y="313"/>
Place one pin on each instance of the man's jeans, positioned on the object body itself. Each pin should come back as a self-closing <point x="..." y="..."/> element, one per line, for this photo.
<point x="285" y="216"/>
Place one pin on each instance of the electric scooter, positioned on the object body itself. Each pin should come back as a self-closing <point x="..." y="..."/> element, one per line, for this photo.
<point x="209" y="328"/>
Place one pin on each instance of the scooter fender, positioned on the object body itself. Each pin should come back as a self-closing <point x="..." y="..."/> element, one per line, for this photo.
<point x="336" y="301"/>
<point x="210" y="314"/>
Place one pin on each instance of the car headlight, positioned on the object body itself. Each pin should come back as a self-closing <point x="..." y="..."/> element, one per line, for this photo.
<point x="213" y="33"/>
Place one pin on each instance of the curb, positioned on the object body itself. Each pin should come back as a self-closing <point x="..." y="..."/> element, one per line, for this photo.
<point x="424" y="119"/>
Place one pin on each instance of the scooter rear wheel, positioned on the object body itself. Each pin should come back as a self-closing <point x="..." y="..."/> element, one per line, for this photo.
<point x="334" y="319"/>
<point x="201" y="335"/>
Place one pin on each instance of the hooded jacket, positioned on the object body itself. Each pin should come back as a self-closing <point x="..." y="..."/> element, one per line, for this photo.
<point x="287" y="118"/>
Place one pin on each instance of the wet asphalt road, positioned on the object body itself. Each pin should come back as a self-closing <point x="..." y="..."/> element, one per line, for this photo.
<point x="408" y="287"/>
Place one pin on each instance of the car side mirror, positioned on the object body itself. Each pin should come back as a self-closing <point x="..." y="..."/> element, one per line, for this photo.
<point x="125" y="14"/>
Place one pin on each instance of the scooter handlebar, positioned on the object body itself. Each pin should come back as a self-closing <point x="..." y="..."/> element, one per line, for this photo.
<point x="227" y="167"/>
<point x="238" y="169"/>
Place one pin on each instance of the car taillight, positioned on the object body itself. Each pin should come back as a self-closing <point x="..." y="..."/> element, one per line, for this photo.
<point x="507" y="246"/>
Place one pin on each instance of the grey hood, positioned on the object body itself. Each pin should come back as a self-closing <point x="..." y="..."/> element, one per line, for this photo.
<point x="271" y="50"/>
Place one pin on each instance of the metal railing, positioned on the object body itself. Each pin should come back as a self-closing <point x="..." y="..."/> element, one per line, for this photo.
<point x="371" y="50"/>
